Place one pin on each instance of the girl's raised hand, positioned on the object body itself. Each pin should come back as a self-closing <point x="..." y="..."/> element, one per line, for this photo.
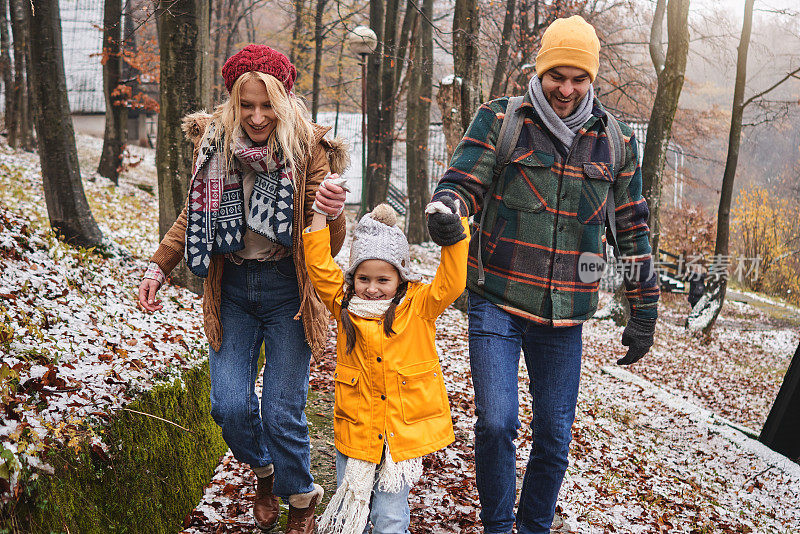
<point x="330" y="196"/>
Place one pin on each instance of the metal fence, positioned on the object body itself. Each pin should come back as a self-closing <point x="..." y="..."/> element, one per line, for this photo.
<point x="348" y="127"/>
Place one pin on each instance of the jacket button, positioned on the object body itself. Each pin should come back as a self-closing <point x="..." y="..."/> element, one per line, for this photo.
<point x="380" y="436"/>
<point x="391" y="434"/>
<point x="434" y="374"/>
<point x="383" y="397"/>
<point x="379" y="359"/>
<point x="404" y="382"/>
<point x="352" y="380"/>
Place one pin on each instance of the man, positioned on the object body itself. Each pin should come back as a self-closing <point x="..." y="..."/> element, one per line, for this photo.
<point x="545" y="215"/>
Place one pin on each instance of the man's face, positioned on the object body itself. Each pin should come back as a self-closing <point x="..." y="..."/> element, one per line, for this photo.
<point x="564" y="88"/>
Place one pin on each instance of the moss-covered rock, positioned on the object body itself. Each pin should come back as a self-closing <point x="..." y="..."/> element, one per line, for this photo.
<point x="152" y="475"/>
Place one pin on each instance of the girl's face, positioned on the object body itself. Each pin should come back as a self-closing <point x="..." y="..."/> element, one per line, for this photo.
<point x="257" y="117"/>
<point x="376" y="280"/>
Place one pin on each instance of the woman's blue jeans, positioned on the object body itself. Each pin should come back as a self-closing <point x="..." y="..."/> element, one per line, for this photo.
<point x="553" y="360"/>
<point x="259" y="302"/>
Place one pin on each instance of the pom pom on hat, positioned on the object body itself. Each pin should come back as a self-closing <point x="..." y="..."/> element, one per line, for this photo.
<point x="259" y="58"/>
<point x="385" y="214"/>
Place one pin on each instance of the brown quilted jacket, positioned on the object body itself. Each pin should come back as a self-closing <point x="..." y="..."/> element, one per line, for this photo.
<point x="326" y="156"/>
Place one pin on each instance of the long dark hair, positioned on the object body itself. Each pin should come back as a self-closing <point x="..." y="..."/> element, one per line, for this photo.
<point x="388" y="317"/>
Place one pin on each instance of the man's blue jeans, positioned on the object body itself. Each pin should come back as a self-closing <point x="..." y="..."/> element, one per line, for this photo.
<point x="259" y="302"/>
<point x="553" y="359"/>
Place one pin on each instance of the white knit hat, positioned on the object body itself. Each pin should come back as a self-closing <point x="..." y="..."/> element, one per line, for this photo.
<point x="377" y="237"/>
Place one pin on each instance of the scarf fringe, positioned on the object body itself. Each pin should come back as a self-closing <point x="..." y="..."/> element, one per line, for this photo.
<point x="348" y="510"/>
<point x="394" y="475"/>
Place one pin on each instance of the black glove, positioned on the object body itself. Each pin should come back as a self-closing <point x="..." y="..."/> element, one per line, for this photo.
<point x="638" y="337"/>
<point x="446" y="228"/>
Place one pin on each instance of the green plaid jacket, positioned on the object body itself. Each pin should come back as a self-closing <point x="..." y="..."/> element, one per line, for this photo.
<point x="545" y="211"/>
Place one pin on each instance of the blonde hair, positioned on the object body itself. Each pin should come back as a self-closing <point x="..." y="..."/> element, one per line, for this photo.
<point x="293" y="133"/>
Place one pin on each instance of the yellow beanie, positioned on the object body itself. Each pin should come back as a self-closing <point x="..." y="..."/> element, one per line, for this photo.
<point x="570" y="42"/>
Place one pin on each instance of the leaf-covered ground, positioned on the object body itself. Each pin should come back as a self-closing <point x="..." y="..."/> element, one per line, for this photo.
<point x="74" y="348"/>
<point x="647" y="455"/>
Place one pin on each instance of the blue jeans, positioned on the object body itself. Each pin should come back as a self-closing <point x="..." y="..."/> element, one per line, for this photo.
<point x="388" y="512"/>
<point x="553" y="360"/>
<point x="259" y="301"/>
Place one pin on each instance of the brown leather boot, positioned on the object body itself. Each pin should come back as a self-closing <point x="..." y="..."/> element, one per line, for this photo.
<point x="302" y="520"/>
<point x="267" y="507"/>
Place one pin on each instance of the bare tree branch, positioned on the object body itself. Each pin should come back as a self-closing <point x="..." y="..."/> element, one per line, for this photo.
<point x="792" y="74"/>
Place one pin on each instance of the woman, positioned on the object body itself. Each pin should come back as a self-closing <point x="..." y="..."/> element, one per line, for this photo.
<point x="258" y="165"/>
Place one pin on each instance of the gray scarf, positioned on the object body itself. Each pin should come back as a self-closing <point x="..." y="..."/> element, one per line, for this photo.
<point x="564" y="129"/>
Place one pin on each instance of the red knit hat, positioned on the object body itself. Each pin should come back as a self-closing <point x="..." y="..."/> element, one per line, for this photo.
<point x="259" y="58"/>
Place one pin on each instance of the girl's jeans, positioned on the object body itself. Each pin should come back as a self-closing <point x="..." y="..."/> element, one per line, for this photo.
<point x="388" y="512"/>
<point x="553" y="360"/>
<point x="259" y="302"/>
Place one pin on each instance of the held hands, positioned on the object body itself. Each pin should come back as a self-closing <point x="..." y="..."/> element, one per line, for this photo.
<point x="638" y="337"/>
<point x="444" y="223"/>
<point x="147" y="295"/>
<point x="330" y="197"/>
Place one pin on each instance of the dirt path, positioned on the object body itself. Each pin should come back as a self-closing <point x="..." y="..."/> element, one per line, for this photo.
<point x="781" y="315"/>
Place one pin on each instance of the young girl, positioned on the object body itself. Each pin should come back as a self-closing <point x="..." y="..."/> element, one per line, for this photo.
<point x="391" y="404"/>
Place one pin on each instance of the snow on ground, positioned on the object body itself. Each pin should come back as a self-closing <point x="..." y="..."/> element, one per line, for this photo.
<point x="640" y="460"/>
<point x="73" y="345"/>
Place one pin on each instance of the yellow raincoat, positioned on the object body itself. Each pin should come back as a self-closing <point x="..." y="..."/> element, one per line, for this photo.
<point x="390" y="388"/>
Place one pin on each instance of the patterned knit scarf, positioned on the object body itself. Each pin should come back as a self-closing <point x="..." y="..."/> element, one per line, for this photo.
<point x="216" y="221"/>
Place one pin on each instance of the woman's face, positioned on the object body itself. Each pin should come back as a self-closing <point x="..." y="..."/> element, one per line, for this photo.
<point x="257" y="116"/>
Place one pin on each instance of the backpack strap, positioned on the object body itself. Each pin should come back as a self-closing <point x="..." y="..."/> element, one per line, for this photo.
<point x="506" y="143"/>
<point x="616" y="149"/>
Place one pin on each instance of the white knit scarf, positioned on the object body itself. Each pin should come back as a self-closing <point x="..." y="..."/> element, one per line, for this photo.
<point x="368" y="309"/>
<point x="348" y="510"/>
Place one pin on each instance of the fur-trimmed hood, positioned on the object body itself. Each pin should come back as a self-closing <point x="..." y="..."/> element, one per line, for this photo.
<point x="194" y="127"/>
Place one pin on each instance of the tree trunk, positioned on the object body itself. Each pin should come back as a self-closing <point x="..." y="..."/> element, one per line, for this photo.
<point x="298" y="51"/>
<point x="5" y="69"/>
<point x="659" y="129"/>
<point x="656" y="46"/>
<point x="67" y="207"/>
<point x="129" y="73"/>
<point x="466" y="57"/>
<point x="704" y="315"/>
<point x="404" y="46"/>
<point x="318" y="42"/>
<point x="22" y="136"/>
<point x="183" y="38"/>
<point x="218" y="25"/>
<point x="379" y="184"/>
<point x="418" y="121"/>
<point x="501" y="67"/>
<point x="377" y="14"/>
<point x="116" y="109"/>
<point x="449" y="100"/>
